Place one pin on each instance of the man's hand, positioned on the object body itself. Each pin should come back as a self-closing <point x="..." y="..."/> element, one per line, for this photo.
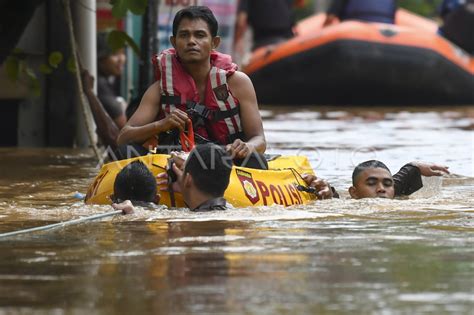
<point x="176" y="119"/>
<point x="239" y="149"/>
<point x="126" y="207"/>
<point x="87" y="81"/>
<point x="431" y="169"/>
<point x="323" y="189"/>
<point x="179" y="158"/>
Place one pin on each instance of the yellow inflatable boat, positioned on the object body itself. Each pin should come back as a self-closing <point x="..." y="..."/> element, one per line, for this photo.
<point x="247" y="187"/>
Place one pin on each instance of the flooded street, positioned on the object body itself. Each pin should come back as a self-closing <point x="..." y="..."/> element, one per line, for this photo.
<point x="339" y="256"/>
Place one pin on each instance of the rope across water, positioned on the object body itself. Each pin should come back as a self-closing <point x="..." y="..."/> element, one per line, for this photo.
<point x="61" y="224"/>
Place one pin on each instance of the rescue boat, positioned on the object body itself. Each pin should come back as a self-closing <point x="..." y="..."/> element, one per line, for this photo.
<point x="247" y="187"/>
<point x="363" y="63"/>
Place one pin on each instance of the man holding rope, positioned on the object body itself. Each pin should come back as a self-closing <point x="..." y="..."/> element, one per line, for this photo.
<point x="199" y="85"/>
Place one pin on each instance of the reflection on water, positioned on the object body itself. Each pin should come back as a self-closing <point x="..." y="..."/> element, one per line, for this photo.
<point x="331" y="257"/>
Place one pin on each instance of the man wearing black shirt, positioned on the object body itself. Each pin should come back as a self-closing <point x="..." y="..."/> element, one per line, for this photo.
<point x="372" y="179"/>
<point x="110" y="67"/>
<point x="379" y="11"/>
<point x="458" y="23"/>
<point x="271" y="21"/>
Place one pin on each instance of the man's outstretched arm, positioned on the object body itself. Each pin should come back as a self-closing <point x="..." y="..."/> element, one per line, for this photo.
<point x="107" y="129"/>
<point x="408" y="179"/>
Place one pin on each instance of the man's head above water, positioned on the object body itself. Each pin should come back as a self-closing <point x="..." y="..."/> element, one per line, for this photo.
<point x="202" y="176"/>
<point x="372" y="179"/>
<point x="207" y="170"/>
<point x="135" y="182"/>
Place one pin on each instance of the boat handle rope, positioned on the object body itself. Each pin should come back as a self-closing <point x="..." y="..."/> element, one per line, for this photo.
<point x="62" y="224"/>
<point x="171" y="180"/>
<point x="310" y="190"/>
<point x="300" y="187"/>
<point x="168" y="170"/>
<point x="187" y="137"/>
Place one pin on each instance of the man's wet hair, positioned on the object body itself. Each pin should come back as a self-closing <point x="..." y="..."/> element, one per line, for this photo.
<point x="366" y="165"/>
<point x="210" y="167"/>
<point x="135" y="182"/>
<point x="193" y="13"/>
<point x="103" y="48"/>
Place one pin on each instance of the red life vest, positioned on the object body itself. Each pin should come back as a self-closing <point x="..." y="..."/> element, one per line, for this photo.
<point x="220" y="119"/>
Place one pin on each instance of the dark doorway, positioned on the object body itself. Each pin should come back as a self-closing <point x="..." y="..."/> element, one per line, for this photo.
<point x="9" y="124"/>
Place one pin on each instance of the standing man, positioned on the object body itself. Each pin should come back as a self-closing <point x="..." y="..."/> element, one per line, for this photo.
<point x="110" y="66"/>
<point x="458" y="23"/>
<point x="195" y="79"/>
<point x="108" y="107"/>
<point x="271" y="21"/>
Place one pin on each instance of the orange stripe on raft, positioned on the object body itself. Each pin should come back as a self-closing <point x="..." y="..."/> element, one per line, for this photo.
<point x="359" y="31"/>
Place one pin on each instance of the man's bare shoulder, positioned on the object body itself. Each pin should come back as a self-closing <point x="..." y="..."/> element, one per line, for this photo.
<point x="239" y="80"/>
<point x="239" y="77"/>
<point x="155" y="88"/>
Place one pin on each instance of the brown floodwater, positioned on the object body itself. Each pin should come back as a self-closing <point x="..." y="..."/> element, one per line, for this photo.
<point x="340" y="256"/>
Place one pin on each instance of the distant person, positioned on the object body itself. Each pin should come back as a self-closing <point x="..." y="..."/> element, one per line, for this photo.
<point x="108" y="107"/>
<point x="110" y="66"/>
<point x="379" y="11"/>
<point x="107" y="128"/>
<point x="458" y="23"/>
<point x="271" y="21"/>
<point x="373" y="179"/>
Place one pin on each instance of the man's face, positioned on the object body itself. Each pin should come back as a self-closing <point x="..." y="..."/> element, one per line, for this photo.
<point x="113" y="64"/>
<point x="373" y="183"/>
<point x="193" y="41"/>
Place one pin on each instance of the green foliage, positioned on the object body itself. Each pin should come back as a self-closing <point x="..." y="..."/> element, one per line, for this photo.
<point x="12" y="67"/>
<point x="426" y="8"/>
<point x="45" y="69"/>
<point x="120" y="7"/>
<point x="18" y="51"/>
<point x="71" y="65"/>
<point x="138" y="7"/>
<point x="55" y="58"/>
<point x="17" y="69"/>
<point x="118" y="39"/>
